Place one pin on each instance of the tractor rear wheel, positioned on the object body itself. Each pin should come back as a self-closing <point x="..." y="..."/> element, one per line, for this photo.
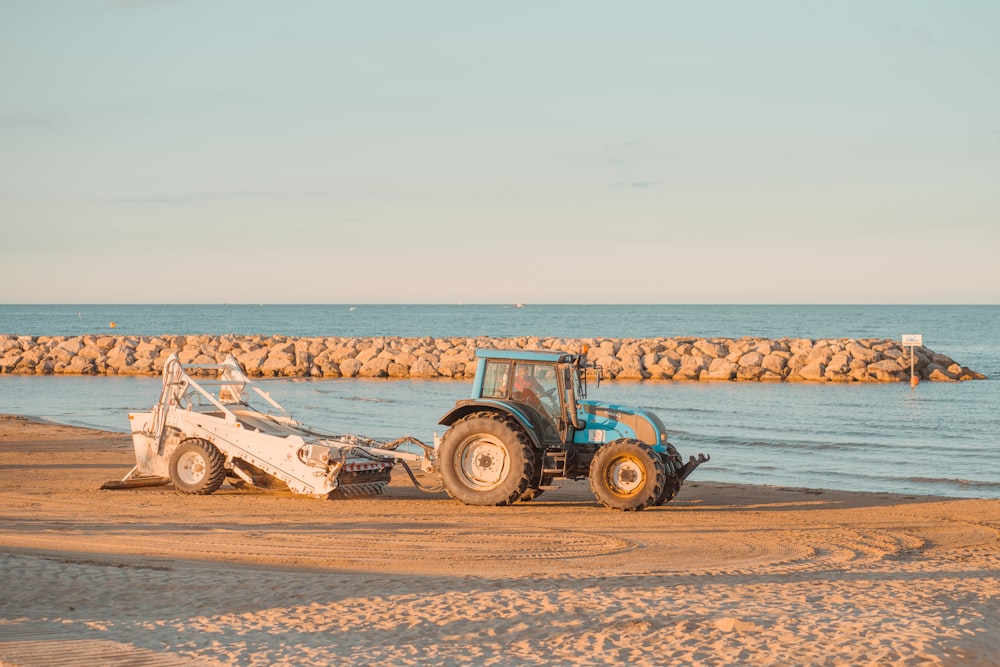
<point x="532" y="492"/>
<point x="485" y="459"/>
<point x="627" y="475"/>
<point x="538" y="480"/>
<point x="197" y="467"/>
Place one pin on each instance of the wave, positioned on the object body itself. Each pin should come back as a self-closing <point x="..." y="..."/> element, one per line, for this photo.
<point x="362" y="399"/>
<point x="790" y="445"/>
<point x="964" y="483"/>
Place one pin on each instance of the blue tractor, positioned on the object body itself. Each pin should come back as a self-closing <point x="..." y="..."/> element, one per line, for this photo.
<point x="529" y="424"/>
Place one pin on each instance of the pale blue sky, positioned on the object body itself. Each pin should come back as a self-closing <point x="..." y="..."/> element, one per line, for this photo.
<point x="212" y="151"/>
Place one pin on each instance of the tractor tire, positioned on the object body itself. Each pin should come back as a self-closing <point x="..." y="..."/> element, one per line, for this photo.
<point x="486" y="459"/>
<point x="670" y="490"/>
<point x="533" y="491"/>
<point x="627" y="475"/>
<point x="672" y="485"/>
<point x="197" y="467"/>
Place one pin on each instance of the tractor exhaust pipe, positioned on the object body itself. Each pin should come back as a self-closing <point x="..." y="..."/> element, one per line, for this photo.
<point x="689" y="467"/>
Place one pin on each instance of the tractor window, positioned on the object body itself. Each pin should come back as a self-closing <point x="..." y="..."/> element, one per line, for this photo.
<point x="495" y="379"/>
<point x="536" y="382"/>
<point x="537" y="386"/>
<point x="549" y="394"/>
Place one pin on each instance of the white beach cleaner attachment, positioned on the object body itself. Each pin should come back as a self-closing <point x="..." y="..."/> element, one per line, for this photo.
<point x="205" y="431"/>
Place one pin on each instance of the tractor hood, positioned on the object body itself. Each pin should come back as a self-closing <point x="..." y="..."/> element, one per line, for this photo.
<point x="618" y="421"/>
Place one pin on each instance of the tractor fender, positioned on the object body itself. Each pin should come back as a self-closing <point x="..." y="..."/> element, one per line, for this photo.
<point x="463" y="408"/>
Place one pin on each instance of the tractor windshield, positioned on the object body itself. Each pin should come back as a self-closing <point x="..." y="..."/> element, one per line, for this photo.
<point x="536" y="385"/>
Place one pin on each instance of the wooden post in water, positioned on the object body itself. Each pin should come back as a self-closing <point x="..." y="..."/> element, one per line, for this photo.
<point x="911" y="341"/>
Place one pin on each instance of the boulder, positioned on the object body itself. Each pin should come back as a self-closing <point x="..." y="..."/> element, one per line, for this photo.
<point x="423" y="368"/>
<point x="887" y="370"/>
<point x="711" y="348"/>
<point x="775" y="363"/>
<point x="349" y="368"/>
<point x="812" y="371"/>
<point x="376" y="367"/>
<point x="719" y="369"/>
<point x="631" y="367"/>
<point x="276" y="363"/>
<point x="691" y="367"/>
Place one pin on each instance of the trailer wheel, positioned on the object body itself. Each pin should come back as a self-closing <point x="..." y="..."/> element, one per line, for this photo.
<point x="197" y="467"/>
<point x="486" y="459"/>
<point x="627" y="475"/>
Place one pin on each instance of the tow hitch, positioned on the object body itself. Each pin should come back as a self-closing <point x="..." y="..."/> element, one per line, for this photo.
<point x="692" y="463"/>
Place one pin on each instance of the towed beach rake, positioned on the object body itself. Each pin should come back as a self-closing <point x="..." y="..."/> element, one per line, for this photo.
<point x="204" y="432"/>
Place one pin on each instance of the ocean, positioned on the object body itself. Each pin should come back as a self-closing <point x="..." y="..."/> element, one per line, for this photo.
<point x="935" y="439"/>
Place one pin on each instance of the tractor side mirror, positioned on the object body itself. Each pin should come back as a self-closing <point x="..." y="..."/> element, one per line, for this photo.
<point x="598" y="375"/>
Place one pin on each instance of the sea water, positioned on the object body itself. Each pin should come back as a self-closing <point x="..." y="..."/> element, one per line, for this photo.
<point x="937" y="438"/>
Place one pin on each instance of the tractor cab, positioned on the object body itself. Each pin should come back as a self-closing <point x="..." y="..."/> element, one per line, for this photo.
<point x="541" y="388"/>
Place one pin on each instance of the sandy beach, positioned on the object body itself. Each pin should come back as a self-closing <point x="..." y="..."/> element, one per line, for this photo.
<point x="723" y="575"/>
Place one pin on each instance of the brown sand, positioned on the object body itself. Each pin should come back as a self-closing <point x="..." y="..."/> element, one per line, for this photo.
<point x="723" y="575"/>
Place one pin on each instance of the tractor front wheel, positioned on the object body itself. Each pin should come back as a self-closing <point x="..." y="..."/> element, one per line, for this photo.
<point x="627" y="475"/>
<point x="197" y="467"/>
<point x="672" y="484"/>
<point x="486" y="459"/>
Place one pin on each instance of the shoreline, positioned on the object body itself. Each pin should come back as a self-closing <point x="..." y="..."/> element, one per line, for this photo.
<point x="27" y="431"/>
<point x="6" y="419"/>
<point x="11" y="424"/>
<point x="724" y="574"/>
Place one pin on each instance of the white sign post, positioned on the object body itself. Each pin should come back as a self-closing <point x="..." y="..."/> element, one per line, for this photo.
<point x="911" y="341"/>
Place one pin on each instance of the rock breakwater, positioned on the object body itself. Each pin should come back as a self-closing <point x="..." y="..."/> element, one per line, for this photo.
<point x="656" y="359"/>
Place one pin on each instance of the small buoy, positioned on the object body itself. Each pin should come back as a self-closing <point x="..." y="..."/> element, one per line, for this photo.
<point x="112" y="325"/>
<point x="914" y="381"/>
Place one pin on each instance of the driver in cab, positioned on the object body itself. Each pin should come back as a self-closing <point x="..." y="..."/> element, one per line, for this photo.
<point x="528" y="390"/>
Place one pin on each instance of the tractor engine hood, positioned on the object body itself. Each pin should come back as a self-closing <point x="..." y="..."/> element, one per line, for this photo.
<point x="624" y="422"/>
